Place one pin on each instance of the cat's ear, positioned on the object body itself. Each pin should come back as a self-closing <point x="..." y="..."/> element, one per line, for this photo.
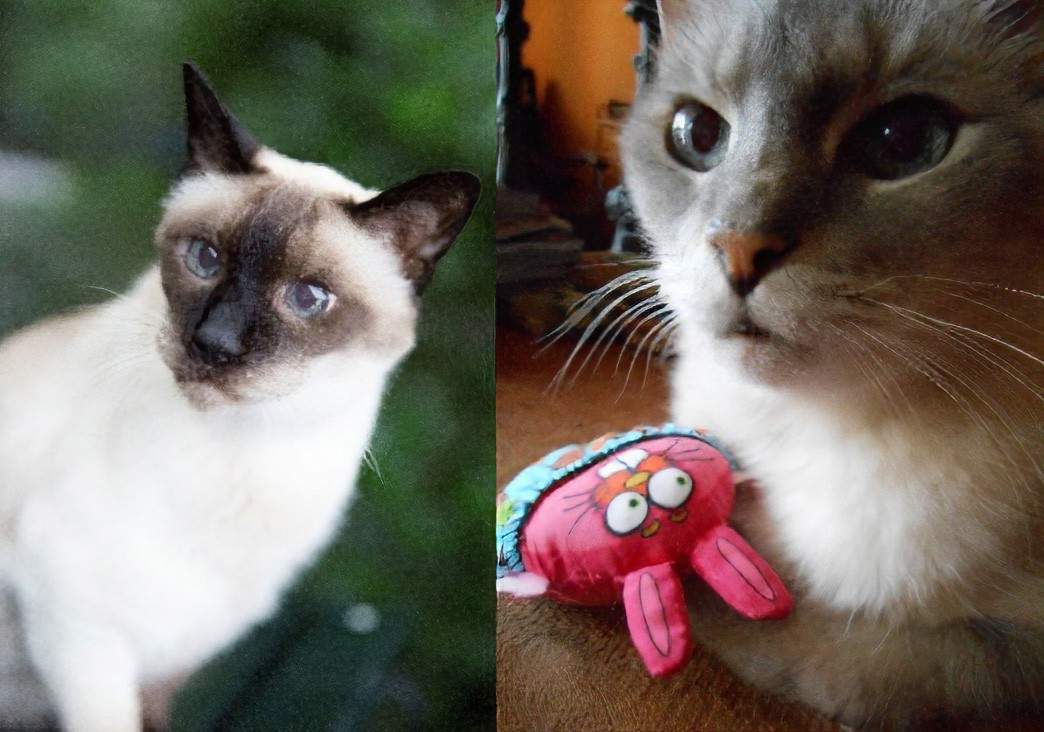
<point x="671" y="14"/>
<point x="421" y="218"/>
<point x="216" y="140"/>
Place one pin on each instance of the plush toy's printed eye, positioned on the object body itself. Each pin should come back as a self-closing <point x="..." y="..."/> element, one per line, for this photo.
<point x="307" y="299"/>
<point x="202" y="259"/>
<point x="670" y="487"/>
<point x="626" y="512"/>
<point x="698" y="137"/>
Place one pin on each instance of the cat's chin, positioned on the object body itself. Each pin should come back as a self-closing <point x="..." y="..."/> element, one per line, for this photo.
<point x="213" y="393"/>
<point x="761" y="354"/>
<point x="205" y="396"/>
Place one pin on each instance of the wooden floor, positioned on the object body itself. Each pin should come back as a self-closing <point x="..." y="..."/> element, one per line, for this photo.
<point x="567" y="668"/>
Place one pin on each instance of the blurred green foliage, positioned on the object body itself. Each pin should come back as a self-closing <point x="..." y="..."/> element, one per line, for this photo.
<point x="381" y="91"/>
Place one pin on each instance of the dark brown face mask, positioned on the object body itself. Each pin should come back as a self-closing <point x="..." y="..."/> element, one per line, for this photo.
<point x="248" y="292"/>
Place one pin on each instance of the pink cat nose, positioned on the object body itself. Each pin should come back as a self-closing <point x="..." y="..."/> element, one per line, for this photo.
<point x="746" y="257"/>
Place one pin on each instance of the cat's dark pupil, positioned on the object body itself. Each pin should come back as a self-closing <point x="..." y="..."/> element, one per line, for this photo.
<point x="305" y="297"/>
<point x="634" y="503"/>
<point x="904" y="138"/>
<point x="208" y="258"/>
<point x="706" y="130"/>
<point x="681" y="480"/>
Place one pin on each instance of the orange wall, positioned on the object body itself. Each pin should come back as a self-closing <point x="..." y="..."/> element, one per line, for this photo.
<point x="580" y="52"/>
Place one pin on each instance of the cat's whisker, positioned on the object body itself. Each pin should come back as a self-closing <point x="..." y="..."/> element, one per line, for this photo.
<point x="592" y="327"/>
<point x="996" y="310"/>
<point x="579" y="310"/>
<point x="966" y="283"/>
<point x="981" y="352"/>
<point x="590" y="300"/>
<point x="370" y="459"/>
<point x="872" y="375"/>
<point x="960" y="340"/>
<point x="617" y="263"/>
<point x="117" y="295"/>
<point x="946" y="371"/>
<point x="919" y="367"/>
<point x="119" y="367"/>
<point x="660" y="342"/>
<point x="612" y="331"/>
<point x="646" y="341"/>
<point x="656" y="313"/>
<point x="637" y="353"/>
<point x="999" y="341"/>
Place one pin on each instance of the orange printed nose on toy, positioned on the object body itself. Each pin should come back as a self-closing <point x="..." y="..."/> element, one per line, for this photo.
<point x="622" y="518"/>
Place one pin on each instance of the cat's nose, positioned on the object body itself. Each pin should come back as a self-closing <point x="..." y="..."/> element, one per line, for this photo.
<point x="746" y="256"/>
<point x="220" y="338"/>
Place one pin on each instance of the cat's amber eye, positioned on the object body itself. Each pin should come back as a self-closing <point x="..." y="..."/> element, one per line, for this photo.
<point x="308" y="299"/>
<point x="902" y="138"/>
<point x="202" y="259"/>
<point x="698" y="137"/>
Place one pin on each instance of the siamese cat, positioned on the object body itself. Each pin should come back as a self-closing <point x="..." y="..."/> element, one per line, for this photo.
<point x="171" y="459"/>
<point x="845" y="199"/>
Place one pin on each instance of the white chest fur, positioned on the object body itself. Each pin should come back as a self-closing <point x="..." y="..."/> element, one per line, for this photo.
<point x="858" y="512"/>
<point x="123" y="506"/>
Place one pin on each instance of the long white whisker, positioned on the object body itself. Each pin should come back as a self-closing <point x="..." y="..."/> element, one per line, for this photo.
<point x="659" y="342"/>
<point x="580" y="309"/>
<point x="119" y="295"/>
<point x="996" y="310"/>
<point x="636" y="330"/>
<point x="635" y="311"/>
<point x="993" y="285"/>
<point x="897" y="308"/>
<point x="593" y="326"/>
<point x="655" y="330"/>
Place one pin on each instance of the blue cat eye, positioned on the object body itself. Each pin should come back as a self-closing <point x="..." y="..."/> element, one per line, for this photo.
<point x="202" y="259"/>
<point x="903" y="138"/>
<point x="698" y="137"/>
<point x="307" y="299"/>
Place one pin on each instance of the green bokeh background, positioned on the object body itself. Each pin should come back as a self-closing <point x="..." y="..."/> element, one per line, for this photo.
<point x="382" y="91"/>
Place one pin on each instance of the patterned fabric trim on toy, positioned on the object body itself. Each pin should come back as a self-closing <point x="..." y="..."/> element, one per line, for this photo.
<point x="520" y="495"/>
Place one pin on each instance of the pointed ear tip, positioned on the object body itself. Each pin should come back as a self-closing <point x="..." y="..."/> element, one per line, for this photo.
<point x="195" y="79"/>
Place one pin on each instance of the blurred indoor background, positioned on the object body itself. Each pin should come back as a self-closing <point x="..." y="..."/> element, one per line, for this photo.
<point x="393" y="628"/>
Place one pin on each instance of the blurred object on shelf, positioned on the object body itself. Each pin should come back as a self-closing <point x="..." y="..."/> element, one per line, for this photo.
<point x="627" y="235"/>
<point x="532" y="243"/>
<point x="540" y="306"/>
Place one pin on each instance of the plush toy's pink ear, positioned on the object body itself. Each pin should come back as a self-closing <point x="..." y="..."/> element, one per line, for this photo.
<point x="657" y="618"/>
<point x="738" y="573"/>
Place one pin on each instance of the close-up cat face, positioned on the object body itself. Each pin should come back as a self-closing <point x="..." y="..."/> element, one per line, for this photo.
<point x="826" y="185"/>
<point x="273" y="267"/>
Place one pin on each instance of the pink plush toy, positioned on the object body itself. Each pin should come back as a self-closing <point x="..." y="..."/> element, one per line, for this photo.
<point x="623" y="517"/>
